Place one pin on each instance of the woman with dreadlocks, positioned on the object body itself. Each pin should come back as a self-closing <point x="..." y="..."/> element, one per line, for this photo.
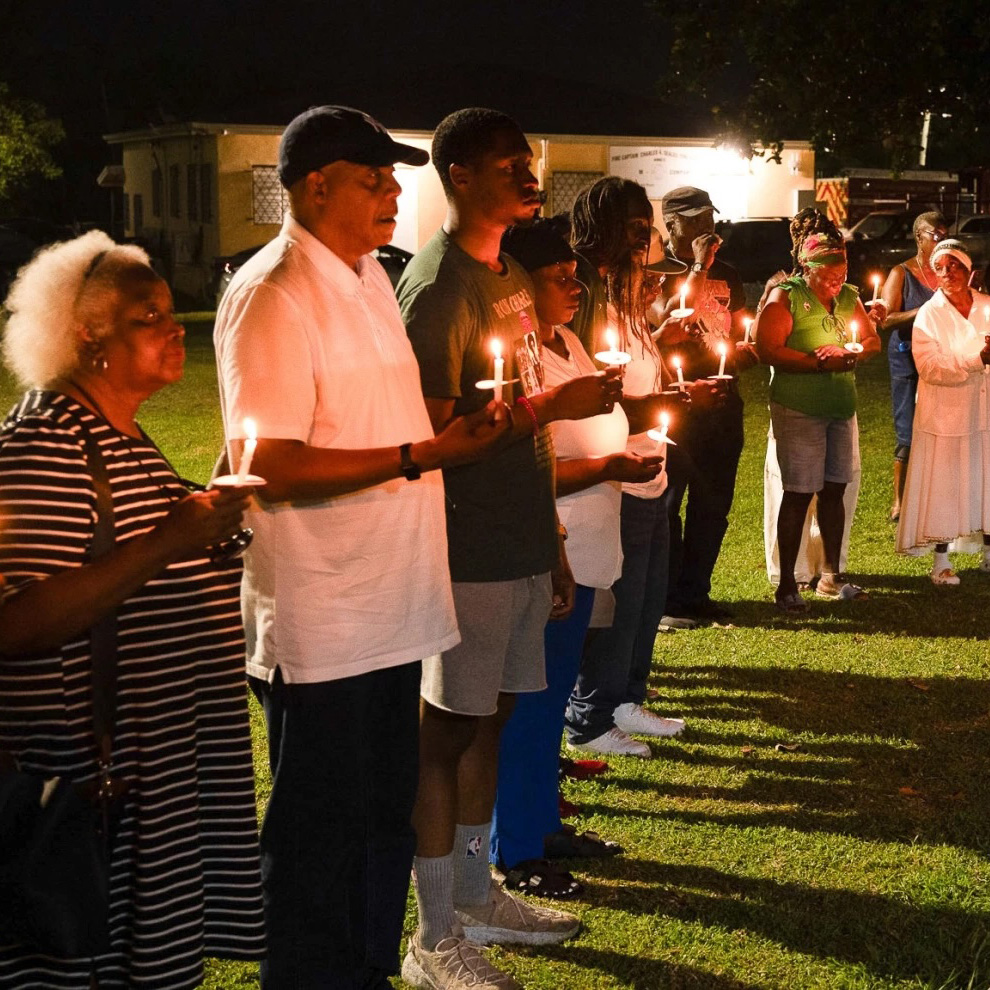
<point x="811" y="554"/>
<point x="813" y="330"/>
<point x="611" y="235"/>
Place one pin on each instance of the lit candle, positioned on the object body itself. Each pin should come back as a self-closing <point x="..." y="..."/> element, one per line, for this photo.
<point x="684" y="295"/>
<point x="876" y="288"/>
<point x="854" y="329"/>
<point x="662" y="439"/>
<point x="613" y="357"/>
<point x="612" y="339"/>
<point x="748" y="323"/>
<point x="496" y="346"/>
<point x="244" y="468"/>
<point x="721" y="360"/>
<point x="680" y="373"/>
<point x="986" y="314"/>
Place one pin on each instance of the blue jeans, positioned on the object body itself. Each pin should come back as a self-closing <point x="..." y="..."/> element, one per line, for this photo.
<point x="337" y="841"/>
<point x="903" y="388"/>
<point x="526" y="807"/>
<point x="616" y="661"/>
<point x="703" y="464"/>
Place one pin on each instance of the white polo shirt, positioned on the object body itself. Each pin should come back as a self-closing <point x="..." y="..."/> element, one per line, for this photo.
<point x="314" y="351"/>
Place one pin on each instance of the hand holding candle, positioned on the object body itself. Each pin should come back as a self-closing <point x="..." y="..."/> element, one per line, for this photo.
<point x="496" y="346"/>
<point x="613" y="357"/>
<point x="661" y="436"/>
<point x="854" y="346"/>
<point x="682" y="311"/>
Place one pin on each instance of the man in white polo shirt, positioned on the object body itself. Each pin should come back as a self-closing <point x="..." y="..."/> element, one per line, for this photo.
<point x="346" y="584"/>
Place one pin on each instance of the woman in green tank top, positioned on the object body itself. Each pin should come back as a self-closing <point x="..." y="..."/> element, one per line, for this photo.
<point x="813" y="331"/>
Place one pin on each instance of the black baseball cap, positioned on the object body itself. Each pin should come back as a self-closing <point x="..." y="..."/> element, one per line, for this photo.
<point x="686" y="201"/>
<point x="538" y="244"/>
<point x="328" y="134"/>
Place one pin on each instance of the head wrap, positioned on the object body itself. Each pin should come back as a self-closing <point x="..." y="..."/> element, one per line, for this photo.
<point x="818" y="250"/>
<point x="954" y="249"/>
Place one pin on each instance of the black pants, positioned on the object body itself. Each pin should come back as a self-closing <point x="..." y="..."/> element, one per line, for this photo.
<point x="704" y="465"/>
<point x="337" y="840"/>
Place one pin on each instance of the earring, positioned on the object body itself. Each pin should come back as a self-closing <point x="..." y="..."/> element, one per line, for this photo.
<point x="97" y="356"/>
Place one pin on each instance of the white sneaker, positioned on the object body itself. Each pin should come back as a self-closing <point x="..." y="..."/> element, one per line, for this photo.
<point x="635" y="718"/>
<point x="455" y="964"/>
<point x="944" y="576"/>
<point x="509" y="920"/>
<point x="615" y="741"/>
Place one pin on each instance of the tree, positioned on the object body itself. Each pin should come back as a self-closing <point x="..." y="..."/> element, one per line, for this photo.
<point x="856" y="82"/>
<point x="27" y="137"/>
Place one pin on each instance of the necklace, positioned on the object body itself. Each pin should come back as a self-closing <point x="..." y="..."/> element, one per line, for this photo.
<point x="925" y="273"/>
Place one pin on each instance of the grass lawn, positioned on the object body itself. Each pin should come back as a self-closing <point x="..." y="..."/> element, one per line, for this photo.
<point x="857" y="860"/>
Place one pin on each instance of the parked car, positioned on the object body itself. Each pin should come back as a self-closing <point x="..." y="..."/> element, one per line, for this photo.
<point x="756" y="247"/>
<point x="394" y="260"/>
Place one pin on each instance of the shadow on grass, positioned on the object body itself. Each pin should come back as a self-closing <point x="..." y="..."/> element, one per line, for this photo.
<point x="641" y="973"/>
<point x="890" y="760"/>
<point x="889" y="937"/>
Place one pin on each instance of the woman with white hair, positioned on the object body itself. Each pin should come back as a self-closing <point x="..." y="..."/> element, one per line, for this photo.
<point x="947" y="492"/>
<point x="93" y="334"/>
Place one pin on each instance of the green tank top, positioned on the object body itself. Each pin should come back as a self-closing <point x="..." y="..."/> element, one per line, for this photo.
<point x="830" y="394"/>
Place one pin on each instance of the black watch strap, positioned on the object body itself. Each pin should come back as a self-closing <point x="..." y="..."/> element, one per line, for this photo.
<point x="408" y="467"/>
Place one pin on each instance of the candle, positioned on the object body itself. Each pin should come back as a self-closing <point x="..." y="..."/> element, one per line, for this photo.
<point x="684" y="295"/>
<point x="721" y="360"/>
<point x="662" y="439"/>
<point x="680" y="373"/>
<point x="496" y="346"/>
<point x="986" y="314"/>
<point x="876" y="288"/>
<point x="748" y="323"/>
<point x="613" y="357"/>
<point x="854" y="329"/>
<point x="244" y="468"/>
<point x="612" y="339"/>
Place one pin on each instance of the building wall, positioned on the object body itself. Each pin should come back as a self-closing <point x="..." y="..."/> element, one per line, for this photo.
<point x="237" y="156"/>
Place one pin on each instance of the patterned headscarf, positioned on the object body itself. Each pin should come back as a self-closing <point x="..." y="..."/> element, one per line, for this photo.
<point x="954" y="249"/>
<point x="818" y="250"/>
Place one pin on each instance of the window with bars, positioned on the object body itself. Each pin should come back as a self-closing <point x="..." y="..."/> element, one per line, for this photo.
<point x="174" y="192"/>
<point x="269" y="199"/>
<point x="565" y="186"/>
<point x="192" y="193"/>
<point x="206" y="193"/>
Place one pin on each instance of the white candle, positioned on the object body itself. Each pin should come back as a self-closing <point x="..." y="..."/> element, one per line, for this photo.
<point x="244" y="468"/>
<point x="684" y="295"/>
<point x="662" y="439"/>
<point x="496" y="346"/>
<point x="721" y="360"/>
<point x="612" y="339"/>
<point x="876" y="287"/>
<point x="680" y="373"/>
<point x="854" y="329"/>
<point x="986" y="314"/>
<point x="748" y="323"/>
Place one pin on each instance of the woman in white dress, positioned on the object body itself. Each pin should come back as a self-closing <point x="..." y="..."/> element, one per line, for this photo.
<point x="947" y="493"/>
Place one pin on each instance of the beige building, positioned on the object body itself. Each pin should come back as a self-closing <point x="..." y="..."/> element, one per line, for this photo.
<point x="195" y="192"/>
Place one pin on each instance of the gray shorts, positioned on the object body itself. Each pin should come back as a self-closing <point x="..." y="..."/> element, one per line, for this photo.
<point x="501" y="647"/>
<point x="812" y="449"/>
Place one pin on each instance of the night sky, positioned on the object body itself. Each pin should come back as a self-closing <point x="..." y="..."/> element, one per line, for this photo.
<point x="579" y="67"/>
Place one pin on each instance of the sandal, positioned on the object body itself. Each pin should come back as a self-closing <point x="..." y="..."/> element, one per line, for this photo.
<point x="837" y="588"/>
<point x="792" y="604"/>
<point x="945" y="576"/>
<point x="542" y="879"/>
<point x="569" y="843"/>
<point x="581" y="769"/>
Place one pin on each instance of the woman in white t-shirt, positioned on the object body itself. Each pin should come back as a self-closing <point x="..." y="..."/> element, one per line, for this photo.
<point x="592" y="464"/>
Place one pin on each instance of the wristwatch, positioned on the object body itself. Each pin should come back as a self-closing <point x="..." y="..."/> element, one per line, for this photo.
<point x="408" y="467"/>
<point x="698" y="269"/>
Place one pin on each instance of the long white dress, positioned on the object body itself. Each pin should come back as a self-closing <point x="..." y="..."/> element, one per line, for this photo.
<point x="947" y="492"/>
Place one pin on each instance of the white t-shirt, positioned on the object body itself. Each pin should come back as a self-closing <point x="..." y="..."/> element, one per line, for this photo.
<point x="591" y="516"/>
<point x="314" y="351"/>
<point x="642" y="377"/>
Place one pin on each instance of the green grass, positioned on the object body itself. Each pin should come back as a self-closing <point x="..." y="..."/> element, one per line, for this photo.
<point x="858" y="860"/>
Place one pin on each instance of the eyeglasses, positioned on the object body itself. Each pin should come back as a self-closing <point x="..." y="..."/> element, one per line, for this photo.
<point x="935" y="235"/>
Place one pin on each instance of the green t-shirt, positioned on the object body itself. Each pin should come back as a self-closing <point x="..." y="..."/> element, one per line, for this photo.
<point x="500" y="510"/>
<point x="830" y="394"/>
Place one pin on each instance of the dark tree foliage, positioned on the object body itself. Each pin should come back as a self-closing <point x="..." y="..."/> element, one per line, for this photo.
<point x="855" y="80"/>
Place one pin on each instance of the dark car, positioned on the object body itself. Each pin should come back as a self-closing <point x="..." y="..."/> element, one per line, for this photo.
<point x="757" y="247"/>
<point x="394" y="260"/>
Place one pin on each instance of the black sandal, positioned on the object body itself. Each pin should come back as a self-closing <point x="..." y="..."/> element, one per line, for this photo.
<point x="569" y="843"/>
<point x="542" y="879"/>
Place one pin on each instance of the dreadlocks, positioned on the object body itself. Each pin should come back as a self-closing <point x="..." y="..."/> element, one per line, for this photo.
<point x="599" y="233"/>
<point x="809" y="221"/>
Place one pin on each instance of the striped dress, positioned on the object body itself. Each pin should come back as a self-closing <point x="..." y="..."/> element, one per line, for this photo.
<point x="185" y="877"/>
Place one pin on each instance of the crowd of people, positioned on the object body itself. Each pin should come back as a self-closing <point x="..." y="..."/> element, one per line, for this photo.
<point x="464" y="506"/>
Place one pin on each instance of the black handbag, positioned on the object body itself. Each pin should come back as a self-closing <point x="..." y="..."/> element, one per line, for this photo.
<point x="55" y="835"/>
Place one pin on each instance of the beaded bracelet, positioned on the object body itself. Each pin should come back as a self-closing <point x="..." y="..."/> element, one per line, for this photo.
<point x="528" y="406"/>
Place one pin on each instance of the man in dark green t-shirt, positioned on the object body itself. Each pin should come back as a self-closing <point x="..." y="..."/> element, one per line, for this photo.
<point x="457" y="296"/>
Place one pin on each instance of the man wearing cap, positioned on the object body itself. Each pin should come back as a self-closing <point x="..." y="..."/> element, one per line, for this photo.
<point x="346" y="585"/>
<point x="710" y="442"/>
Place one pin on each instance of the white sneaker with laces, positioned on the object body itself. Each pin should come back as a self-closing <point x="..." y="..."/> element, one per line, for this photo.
<point x="635" y="718"/>
<point x="614" y="741"/>
<point x="455" y="964"/>
<point x="509" y="920"/>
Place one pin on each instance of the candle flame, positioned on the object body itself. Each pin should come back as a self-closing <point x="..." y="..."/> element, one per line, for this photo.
<point x="664" y="421"/>
<point x="748" y="322"/>
<point x="250" y="429"/>
<point x="496" y="346"/>
<point x="676" y="361"/>
<point x="612" y="338"/>
<point x="876" y="280"/>
<point x="721" y="350"/>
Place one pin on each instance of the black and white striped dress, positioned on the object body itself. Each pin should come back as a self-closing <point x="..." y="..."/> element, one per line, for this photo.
<point x="185" y="868"/>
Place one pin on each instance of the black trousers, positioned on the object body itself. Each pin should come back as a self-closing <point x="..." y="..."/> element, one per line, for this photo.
<point x="337" y="841"/>
<point x="703" y="464"/>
